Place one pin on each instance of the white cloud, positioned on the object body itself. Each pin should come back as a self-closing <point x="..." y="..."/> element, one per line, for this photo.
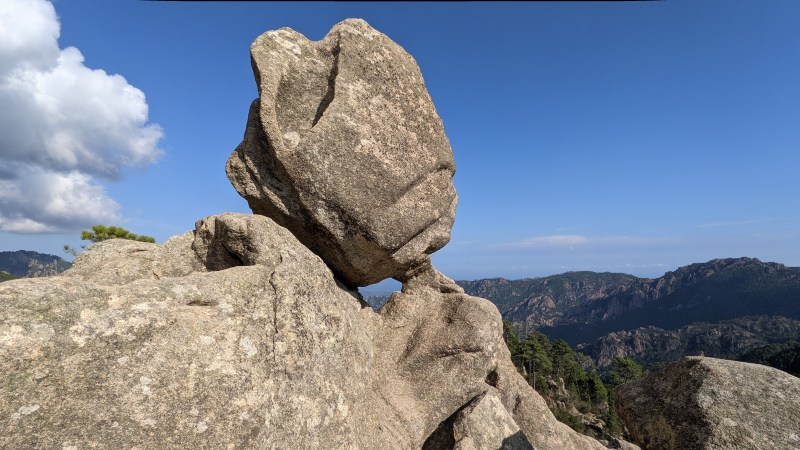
<point x="29" y="34"/>
<point x="575" y="242"/>
<point x="62" y="125"/>
<point x="569" y="241"/>
<point x="40" y="201"/>
<point x="736" y="223"/>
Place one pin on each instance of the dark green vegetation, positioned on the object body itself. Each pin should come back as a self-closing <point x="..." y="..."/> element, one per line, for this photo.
<point x="785" y="357"/>
<point x="574" y="391"/>
<point x="102" y="233"/>
<point x="580" y="307"/>
<point x="655" y="347"/>
<point x="5" y="276"/>
<point x="22" y="264"/>
<point x="722" y="308"/>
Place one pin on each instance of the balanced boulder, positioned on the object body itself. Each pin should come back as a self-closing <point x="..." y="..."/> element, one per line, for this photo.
<point x="345" y="149"/>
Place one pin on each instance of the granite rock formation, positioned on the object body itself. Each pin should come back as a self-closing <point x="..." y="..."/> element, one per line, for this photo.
<point x="480" y="424"/>
<point x="702" y="403"/>
<point x="148" y="346"/>
<point x="344" y="148"/>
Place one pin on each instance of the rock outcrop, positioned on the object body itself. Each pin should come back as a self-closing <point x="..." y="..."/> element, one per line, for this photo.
<point x="706" y="403"/>
<point x="481" y="424"/>
<point x="247" y="333"/>
<point x="148" y="346"/>
<point x="344" y="148"/>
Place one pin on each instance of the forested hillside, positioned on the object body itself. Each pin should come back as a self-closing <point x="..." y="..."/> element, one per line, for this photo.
<point x="25" y="264"/>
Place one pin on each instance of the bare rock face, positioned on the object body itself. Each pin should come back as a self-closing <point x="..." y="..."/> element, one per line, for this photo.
<point x="482" y="423"/>
<point x="147" y="346"/>
<point x="344" y="148"/>
<point x="707" y="403"/>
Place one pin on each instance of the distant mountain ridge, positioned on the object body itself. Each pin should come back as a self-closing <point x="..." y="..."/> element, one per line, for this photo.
<point x="26" y="264"/>
<point x="654" y="347"/>
<point x="5" y="276"/>
<point x="580" y="307"/>
<point x="549" y="301"/>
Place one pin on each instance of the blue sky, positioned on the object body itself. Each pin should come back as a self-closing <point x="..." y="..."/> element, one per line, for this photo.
<point x="631" y="137"/>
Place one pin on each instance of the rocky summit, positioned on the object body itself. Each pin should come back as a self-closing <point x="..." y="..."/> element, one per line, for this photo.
<point x="345" y="149"/>
<point x="236" y="335"/>
<point x="702" y="403"/>
<point x="248" y="332"/>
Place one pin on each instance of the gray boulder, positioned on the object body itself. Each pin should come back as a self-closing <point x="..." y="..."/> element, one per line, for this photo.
<point x="145" y="346"/>
<point x="344" y="148"/>
<point x="481" y="424"/>
<point x="707" y="403"/>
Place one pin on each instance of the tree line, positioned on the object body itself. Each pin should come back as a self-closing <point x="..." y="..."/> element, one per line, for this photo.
<point x="569" y="381"/>
<point x="100" y="233"/>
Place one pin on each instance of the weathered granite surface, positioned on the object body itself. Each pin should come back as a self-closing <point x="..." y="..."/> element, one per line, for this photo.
<point x="344" y="147"/>
<point x="707" y="403"/>
<point x="142" y="346"/>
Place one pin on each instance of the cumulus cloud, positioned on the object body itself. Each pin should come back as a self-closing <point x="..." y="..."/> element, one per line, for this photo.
<point x="38" y="201"/>
<point x="64" y="126"/>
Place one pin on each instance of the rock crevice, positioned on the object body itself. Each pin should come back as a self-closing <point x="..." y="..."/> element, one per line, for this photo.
<point x="331" y="93"/>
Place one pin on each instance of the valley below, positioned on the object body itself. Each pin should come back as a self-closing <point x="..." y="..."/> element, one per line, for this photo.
<point x="722" y="308"/>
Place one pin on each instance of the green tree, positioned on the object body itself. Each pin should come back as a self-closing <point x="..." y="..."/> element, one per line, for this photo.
<point x="543" y="362"/>
<point x="612" y="418"/>
<point x="594" y="390"/>
<point x="625" y="369"/>
<point x="5" y="276"/>
<point x="536" y="360"/>
<point x="101" y="233"/>
<point x="514" y="344"/>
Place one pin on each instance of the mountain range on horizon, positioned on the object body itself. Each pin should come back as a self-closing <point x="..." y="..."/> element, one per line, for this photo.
<point x="30" y="264"/>
<point x="723" y="308"/>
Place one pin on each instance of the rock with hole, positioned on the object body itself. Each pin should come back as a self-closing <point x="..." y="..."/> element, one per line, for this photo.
<point x="237" y="336"/>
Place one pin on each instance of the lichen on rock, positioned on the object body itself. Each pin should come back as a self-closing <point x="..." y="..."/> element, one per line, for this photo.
<point x="701" y="403"/>
<point x="249" y="332"/>
<point x="268" y="350"/>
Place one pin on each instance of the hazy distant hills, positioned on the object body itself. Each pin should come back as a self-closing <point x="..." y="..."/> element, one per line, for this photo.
<point x="722" y="308"/>
<point x="557" y="299"/>
<point x="376" y="299"/>
<point x="23" y="264"/>
<point x="5" y="276"/>
<point x="653" y="346"/>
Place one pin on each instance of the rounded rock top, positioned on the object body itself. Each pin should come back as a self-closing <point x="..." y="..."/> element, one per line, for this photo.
<point x="344" y="147"/>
